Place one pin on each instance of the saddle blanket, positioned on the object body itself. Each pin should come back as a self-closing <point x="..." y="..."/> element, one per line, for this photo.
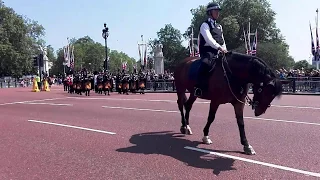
<point x="195" y="66"/>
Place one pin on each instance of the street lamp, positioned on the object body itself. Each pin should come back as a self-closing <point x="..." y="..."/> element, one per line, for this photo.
<point x="105" y="35"/>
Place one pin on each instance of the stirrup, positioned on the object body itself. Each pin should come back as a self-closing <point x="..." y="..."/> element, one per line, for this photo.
<point x="197" y="92"/>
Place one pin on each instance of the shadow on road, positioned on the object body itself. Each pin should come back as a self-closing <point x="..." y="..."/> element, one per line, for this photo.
<point x="170" y="144"/>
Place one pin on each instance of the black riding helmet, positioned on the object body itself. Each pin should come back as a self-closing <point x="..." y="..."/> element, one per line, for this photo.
<point x="213" y="6"/>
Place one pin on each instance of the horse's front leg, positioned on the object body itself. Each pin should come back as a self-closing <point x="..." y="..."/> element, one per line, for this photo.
<point x="188" y="107"/>
<point x="211" y="117"/>
<point x="238" y="109"/>
<point x="181" y="101"/>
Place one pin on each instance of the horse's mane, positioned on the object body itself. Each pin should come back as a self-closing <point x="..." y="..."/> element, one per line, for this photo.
<point x="259" y="66"/>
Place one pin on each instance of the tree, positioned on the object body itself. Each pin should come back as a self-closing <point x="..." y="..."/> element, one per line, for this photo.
<point x="117" y="58"/>
<point x="234" y="18"/>
<point x="91" y="55"/>
<point x="57" y="68"/>
<point x="303" y="64"/>
<point x="19" y="39"/>
<point x="50" y="53"/>
<point x="173" y="50"/>
<point x="275" y="55"/>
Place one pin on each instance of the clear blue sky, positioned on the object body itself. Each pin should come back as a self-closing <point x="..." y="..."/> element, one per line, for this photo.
<point x="128" y="20"/>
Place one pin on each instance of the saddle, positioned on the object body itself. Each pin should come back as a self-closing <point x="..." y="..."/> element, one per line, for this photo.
<point x="201" y="67"/>
<point x="206" y="67"/>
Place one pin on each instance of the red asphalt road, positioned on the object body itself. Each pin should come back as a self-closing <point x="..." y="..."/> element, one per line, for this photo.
<point x="147" y="144"/>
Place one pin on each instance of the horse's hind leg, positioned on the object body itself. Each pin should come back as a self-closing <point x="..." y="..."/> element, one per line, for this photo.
<point x="211" y="117"/>
<point x="238" y="109"/>
<point x="188" y="105"/>
<point x="182" y="98"/>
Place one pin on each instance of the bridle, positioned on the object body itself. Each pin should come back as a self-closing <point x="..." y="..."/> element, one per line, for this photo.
<point x="248" y="100"/>
<point x="254" y="104"/>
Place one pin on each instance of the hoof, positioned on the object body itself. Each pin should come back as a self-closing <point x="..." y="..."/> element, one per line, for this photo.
<point x="206" y="140"/>
<point x="249" y="150"/>
<point x="183" y="130"/>
<point x="189" y="131"/>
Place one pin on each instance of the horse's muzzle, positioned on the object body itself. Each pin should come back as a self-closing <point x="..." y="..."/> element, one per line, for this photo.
<point x="254" y="104"/>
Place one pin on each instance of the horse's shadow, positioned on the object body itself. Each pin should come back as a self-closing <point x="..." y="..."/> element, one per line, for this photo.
<point x="170" y="144"/>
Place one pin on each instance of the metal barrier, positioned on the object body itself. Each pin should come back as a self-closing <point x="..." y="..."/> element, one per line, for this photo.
<point x="168" y="86"/>
<point x="301" y="85"/>
<point x="14" y="84"/>
<point x="296" y="85"/>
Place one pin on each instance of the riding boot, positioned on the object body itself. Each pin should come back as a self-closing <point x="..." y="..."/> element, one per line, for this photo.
<point x="201" y="85"/>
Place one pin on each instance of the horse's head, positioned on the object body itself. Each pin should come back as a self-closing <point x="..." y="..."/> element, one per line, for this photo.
<point x="264" y="93"/>
<point x="266" y="86"/>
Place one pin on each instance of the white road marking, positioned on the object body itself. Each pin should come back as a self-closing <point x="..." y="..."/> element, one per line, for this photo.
<point x="39" y="100"/>
<point x="308" y="173"/>
<point x="51" y="104"/>
<point x="281" y="120"/>
<point x="138" y="109"/>
<point x="75" y="127"/>
<point x="255" y="118"/>
<point x="297" y="107"/>
<point x="197" y="102"/>
<point x="146" y="100"/>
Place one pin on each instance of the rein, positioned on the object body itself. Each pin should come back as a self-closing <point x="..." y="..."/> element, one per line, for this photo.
<point x="247" y="98"/>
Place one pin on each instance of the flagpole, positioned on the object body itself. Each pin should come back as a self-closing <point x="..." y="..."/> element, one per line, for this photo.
<point x="318" y="37"/>
<point x="245" y="41"/>
<point x="317" y="52"/>
<point x="256" y="39"/>
<point x="142" y="55"/>
<point x="249" y="35"/>
<point x="192" y="51"/>
<point x="317" y="20"/>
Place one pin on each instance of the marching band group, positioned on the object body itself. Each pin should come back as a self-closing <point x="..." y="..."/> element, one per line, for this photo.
<point x="105" y="82"/>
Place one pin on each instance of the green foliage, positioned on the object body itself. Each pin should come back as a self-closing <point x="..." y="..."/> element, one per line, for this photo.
<point x="303" y="64"/>
<point x="20" y="38"/>
<point x="91" y="55"/>
<point x="173" y="50"/>
<point x="50" y="53"/>
<point x="276" y="55"/>
<point x="234" y="18"/>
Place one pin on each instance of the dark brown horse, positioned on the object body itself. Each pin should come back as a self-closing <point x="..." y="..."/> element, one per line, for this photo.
<point x="228" y="83"/>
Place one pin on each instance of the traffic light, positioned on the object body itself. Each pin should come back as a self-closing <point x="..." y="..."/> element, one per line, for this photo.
<point x="41" y="60"/>
<point x="35" y="61"/>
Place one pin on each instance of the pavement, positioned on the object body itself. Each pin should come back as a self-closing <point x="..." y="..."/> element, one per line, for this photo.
<point x="55" y="135"/>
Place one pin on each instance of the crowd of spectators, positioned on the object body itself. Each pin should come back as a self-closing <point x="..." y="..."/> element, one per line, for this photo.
<point x="298" y="73"/>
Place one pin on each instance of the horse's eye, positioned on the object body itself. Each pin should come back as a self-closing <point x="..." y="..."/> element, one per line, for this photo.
<point x="259" y="90"/>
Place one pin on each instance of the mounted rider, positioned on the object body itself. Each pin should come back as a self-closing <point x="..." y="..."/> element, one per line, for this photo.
<point x="211" y="41"/>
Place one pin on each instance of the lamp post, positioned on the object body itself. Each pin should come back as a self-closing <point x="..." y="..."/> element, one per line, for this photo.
<point x="105" y="35"/>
